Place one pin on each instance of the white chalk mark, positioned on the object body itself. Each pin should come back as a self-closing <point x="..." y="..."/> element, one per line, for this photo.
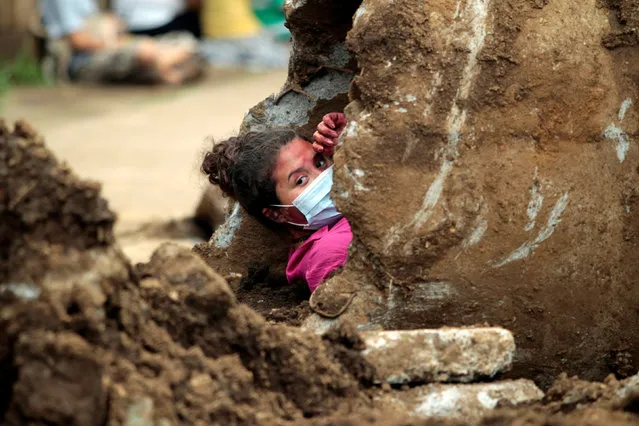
<point x="614" y="133"/>
<point x="457" y="10"/>
<point x="536" y="202"/>
<point x="432" y="196"/>
<point x="477" y="234"/>
<point x="355" y="176"/>
<point x="225" y="234"/>
<point x="351" y="129"/>
<point x="359" y="173"/>
<point x="23" y="291"/>
<point x="457" y="116"/>
<point x="358" y="14"/>
<point x="529" y="247"/>
<point x="436" y="83"/>
<point x="625" y="105"/>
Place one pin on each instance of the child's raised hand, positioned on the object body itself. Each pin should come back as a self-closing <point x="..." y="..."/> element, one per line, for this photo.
<point x="326" y="137"/>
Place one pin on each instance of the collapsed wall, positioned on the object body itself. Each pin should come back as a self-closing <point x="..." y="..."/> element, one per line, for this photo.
<point x="489" y="169"/>
<point x="88" y="339"/>
<point x="319" y="76"/>
<point x="510" y="174"/>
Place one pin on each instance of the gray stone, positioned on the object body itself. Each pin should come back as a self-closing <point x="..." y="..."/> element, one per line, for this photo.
<point x="442" y="355"/>
<point x="140" y="413"/>
<point x="467" y="402"/>
<point x="294" y="109"/>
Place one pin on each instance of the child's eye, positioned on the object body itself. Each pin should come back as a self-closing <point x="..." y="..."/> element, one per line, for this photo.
<point x="320" y="163"/>
<point x="301" y="180"/>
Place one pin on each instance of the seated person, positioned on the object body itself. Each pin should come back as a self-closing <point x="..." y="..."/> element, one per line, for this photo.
<point x="285" y="182"/>
<point x="101" y="51"/>
<point x="158" y="17"/>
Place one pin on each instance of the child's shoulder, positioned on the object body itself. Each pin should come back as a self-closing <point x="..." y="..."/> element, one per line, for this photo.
<point x="340" y="235"/>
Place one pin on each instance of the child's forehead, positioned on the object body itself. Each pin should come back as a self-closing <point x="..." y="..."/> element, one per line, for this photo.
<point x="295" y="154"/>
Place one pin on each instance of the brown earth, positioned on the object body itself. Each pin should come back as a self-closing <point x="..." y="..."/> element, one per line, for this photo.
<point x="86" y="338"/>
<point x="506" y="131"/>
<point x="489" y="171"/>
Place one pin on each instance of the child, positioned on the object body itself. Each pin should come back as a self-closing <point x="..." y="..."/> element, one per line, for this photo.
<point x="100" y="51"/>
<point x="285" y="181"/>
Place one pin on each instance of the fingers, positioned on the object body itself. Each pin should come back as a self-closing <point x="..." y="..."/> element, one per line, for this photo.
<point x="323" y="140"/>
<point x="326" y="150"/>
<point x="318" y="147"/>
<point x="335" y="121"/>
<point x="329" y="121"/>
<point x="323" y="129"/>
<point x="340" y="120"/>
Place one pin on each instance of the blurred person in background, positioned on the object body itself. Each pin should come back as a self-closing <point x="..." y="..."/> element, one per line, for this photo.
<point x="97" y="47"/>
<point x="234" y="37"/>
<point x="159" y="17"/>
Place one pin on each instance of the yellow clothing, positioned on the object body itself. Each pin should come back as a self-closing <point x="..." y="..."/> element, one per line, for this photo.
<point x="228" y="19"/>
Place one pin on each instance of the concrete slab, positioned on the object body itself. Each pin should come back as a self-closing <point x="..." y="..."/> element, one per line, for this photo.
<point x="468" y="402"/>
<point x="441" y="355"/>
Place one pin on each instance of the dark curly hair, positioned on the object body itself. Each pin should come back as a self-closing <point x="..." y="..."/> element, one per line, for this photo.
<point x="242" y="167"/>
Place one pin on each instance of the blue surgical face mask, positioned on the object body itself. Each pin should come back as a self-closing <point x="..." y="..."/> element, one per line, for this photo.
<point x="315" y="203"/>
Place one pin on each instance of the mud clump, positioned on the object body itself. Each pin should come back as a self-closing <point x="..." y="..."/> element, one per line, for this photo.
<point x="43" y="204"/>
<point x="625" y="32"/>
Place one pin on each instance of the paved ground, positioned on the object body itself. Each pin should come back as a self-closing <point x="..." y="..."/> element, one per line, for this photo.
<point x="144" y="144"/>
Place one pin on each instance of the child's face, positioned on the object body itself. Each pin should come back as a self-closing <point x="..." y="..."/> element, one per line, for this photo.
<point x="297" y="166"/>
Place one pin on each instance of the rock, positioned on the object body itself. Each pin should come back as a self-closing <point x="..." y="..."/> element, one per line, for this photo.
<point x="468" y="402"/>
<point x="320" y="72"/>
<point x="489" y="172"/>
<point x="140" y="413"/>
<point x="61" y="379"/>
<point x="443" y="355"/>
<point x="489" y="167"/>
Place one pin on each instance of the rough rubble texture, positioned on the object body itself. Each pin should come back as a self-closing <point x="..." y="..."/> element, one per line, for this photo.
<point x="320" y="72"/>
<point x="40" y="203"/>
<point x="87" y="339"/>
<point x="462" y="402"/>
<point x="510" y="174"/>
<point x="490" y="172"/>
<point x="443" y="355"/>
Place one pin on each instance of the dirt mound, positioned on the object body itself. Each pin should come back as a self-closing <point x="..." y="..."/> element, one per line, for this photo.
<point x="89" y="339"/>
<point x="43" y="204"/>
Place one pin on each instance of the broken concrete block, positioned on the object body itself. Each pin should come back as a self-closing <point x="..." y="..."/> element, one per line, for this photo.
<point x="467" y="402"/>
<point x="442" y="355"/>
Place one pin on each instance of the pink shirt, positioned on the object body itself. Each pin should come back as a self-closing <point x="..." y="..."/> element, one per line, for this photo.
<point x="323" y="252"/>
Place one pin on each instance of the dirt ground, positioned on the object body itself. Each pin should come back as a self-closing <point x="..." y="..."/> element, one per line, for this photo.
<point x="140" y="137"/>
<point x="101" y="341"/>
